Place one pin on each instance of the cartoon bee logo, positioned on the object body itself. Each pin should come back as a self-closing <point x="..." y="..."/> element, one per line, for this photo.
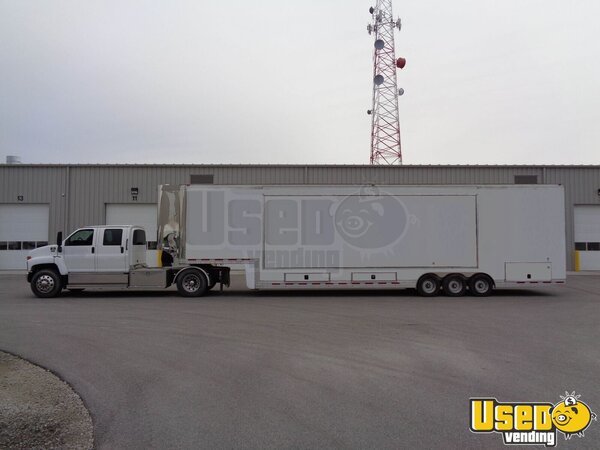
<point x="572" y="416"/>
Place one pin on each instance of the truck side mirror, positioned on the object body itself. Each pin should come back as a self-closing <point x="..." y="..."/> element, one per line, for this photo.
<point x="59" y="241"/>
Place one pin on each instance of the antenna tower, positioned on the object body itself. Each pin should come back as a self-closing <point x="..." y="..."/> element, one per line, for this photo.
<point x="385" y="123"/>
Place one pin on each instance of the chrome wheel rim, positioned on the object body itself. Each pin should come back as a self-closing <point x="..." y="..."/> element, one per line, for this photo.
<point x="191" y="283"/>
<point x="44" y="284"/>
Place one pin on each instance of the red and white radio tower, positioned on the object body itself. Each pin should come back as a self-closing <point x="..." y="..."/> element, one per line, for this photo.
<point x="385" y="125"/>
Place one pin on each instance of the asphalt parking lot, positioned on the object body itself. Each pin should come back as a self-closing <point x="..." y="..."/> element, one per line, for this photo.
<point x="308" y="369"/>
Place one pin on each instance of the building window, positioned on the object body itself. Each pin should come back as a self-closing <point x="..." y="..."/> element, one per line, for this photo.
<point x="22" y="245"/>
<point x="526" y="179"/>
<point x="589" y="246"/>
<point x="14" y="245"/>
<point x="202" y="179"/>
<point x="152" y="245"/>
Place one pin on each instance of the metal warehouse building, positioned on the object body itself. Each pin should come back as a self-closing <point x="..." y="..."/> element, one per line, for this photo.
<point x="36" y="201"/>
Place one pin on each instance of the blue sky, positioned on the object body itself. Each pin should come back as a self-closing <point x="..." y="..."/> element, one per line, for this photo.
<point x="290" y="82"/>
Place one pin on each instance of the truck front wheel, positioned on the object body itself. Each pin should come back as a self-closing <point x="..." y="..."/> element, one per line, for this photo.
<point x="46" y="283"/>
<point x="192" y="283"/>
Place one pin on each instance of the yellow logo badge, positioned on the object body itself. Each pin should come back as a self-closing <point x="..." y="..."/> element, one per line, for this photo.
<point x="572" y="416"/>
<point x="531" y="422"/>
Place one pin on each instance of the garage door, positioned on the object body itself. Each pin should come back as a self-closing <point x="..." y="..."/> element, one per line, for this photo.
<point x="22" y="228"/>
<point x="140" y="214"/>
<point x="587" y="236"/>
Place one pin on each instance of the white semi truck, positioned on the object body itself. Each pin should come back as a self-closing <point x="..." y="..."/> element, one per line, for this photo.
<point x="437" y="239"/>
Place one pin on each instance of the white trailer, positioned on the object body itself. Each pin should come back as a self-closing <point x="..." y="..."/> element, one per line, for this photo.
<point x="437" y="239"/>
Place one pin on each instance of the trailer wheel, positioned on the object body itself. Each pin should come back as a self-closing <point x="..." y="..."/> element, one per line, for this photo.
<point x="454" y="285"/>
<point x="429" y="285"/>
<point x="46" y="283"/>
<point x="191" y="283"/>
<point x="481" y="285"/>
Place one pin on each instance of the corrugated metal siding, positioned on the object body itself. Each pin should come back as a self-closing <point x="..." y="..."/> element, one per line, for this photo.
<point x="418" y="174"/>
<point x="45" y="185"/>
<point x="581" y="188"/>
<point x="91" y="187"/>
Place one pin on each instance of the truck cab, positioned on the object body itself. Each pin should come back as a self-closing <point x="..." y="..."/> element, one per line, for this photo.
<point x="90" y="256"/>
<point x="104" y="249"/>
<point x="113" y="257"/>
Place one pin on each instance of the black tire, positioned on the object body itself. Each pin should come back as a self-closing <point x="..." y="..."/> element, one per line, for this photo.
<point x="481" y="285"/>
<point x="454" y="285"/>
<point x="429" y="285"/>
<point x="192" y="283"/>
<point x="46" y="283"/>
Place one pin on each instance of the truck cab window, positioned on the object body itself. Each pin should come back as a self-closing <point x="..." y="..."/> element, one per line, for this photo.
<point x="80" y="238"/>
<point x="139" y="237"/>
<point x="112" y="237"/>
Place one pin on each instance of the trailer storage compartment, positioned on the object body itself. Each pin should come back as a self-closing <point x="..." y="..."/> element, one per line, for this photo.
<point x="148" y="277"/>
<point x="519" y="271"/>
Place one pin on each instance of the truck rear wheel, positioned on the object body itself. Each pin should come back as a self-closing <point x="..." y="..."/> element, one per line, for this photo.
<point x="429" y="285"/>
<point x="191" y="283"/>
<point x="481" y="285"/>
<point x="46" y="283"/>
<point x="454" y="285"/>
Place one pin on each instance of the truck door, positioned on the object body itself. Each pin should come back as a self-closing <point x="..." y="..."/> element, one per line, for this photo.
<point x="110" y="250"/>
<point x="78" y="251"/>
<point x="138" y="247"/>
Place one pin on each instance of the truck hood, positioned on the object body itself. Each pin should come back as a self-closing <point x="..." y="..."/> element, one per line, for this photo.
<point x="47" y="250"/>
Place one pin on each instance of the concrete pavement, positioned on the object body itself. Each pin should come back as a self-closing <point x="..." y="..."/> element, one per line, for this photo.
<point x="308" y="370"/>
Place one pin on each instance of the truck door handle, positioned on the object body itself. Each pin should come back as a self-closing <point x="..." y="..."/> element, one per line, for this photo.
<point x="92" y="249"/>
<point x="122" y="249"/>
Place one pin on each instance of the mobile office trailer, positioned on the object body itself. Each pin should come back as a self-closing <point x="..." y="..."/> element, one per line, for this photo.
<point x="446" y="239"/>
<point x="434" y="238"/>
